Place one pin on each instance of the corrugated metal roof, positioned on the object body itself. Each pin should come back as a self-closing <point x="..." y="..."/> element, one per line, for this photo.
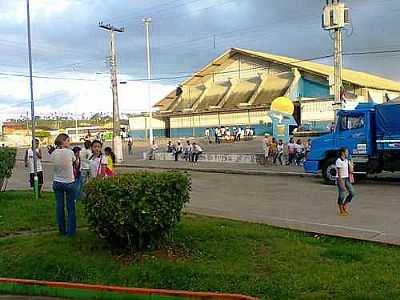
<point x="359" y="78"/>
<point x="213" y="96"/>
<point x="355" y="77"/>
<point x="274" y="86"/>
<point x="241" y="93"/>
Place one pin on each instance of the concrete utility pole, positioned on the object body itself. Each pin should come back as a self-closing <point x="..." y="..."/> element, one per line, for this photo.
<point x="147" y="22"/>
<point x="35" y="176"/>
<point x="335" y="18"/>
<point x="117" y="142"/>
<point x="338" y="103"/>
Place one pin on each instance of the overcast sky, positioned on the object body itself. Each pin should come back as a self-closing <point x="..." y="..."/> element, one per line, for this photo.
<point x="67" y="43"/>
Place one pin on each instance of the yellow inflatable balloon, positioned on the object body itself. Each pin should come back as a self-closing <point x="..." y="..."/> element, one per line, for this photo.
<point x="283" y="105"/>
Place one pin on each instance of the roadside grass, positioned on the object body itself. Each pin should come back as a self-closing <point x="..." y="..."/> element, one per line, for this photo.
<point x="211" y="254"/>
<point x="20" y="212"/>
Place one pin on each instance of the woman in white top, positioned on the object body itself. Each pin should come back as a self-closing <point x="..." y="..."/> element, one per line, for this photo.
<point x="64" y="184"/>
<point x="344" y="170"/>
<point x="98" y="161"/>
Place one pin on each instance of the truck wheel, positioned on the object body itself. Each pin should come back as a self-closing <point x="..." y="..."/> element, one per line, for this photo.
<point x="329" y="171"/>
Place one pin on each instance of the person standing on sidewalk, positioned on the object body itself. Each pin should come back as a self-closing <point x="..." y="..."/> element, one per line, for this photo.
<point x="86" y="153"/>
<point x="130" y="146"/>
<point x="197" y="151"/>
<point x="188" y="151"/>
<point x="63" y="159"/>
<point x="266" y="148"/>
<point x="344" y="181"/>
<point x="291" y="147"/>
<point x="29" y="164"/>
<point x="279" y="152"/>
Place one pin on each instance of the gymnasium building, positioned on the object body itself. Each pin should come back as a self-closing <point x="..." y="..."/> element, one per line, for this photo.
<point x="237" y="88"/>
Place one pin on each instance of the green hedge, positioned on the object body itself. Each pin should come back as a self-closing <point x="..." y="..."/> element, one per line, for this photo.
<point x="7" y="163"/>
<point x="138" y="210"/>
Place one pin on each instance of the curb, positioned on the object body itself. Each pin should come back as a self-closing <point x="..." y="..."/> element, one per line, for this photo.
<point x="220" y="171"/>
<point x="134" y="291"/>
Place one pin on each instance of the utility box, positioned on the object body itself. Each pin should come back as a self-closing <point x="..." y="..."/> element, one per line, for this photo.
<point x="335" y="16"/>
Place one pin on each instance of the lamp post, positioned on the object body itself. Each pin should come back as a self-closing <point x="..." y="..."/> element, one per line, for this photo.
<point x="35" y="176"/>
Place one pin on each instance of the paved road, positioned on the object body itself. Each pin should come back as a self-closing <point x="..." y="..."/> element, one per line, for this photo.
<point x="288" y="201"/>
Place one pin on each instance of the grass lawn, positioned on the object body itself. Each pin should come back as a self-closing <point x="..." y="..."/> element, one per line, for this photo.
<point x="208" y="254"/>
<point x="20" y="212"/>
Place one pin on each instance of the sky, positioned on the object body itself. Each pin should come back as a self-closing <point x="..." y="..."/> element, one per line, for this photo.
<point x="70" y="51"/>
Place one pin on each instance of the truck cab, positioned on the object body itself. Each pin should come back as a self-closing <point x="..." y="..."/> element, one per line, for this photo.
<point x="354" y="130"/>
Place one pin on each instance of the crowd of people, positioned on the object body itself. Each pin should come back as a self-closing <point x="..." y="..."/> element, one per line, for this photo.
<point x="290" y="153"/>
<point x="189" y="152"/>
<point x="233" y="134"/>
<point x="72" y="168"/>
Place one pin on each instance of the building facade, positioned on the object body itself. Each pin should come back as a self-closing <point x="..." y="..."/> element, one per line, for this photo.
<point x="237" y="88"/>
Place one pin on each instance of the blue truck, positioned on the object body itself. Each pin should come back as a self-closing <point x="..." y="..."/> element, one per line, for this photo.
<point x="371" y="132"/>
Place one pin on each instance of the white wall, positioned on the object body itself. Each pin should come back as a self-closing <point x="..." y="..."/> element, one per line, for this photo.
<point x="142" y="122"/>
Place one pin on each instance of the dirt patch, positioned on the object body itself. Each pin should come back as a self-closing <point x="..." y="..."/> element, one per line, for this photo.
<point x="169" y="253"/>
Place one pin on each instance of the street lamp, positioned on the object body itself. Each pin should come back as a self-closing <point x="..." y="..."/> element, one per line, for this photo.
<point x="35" y="175"/>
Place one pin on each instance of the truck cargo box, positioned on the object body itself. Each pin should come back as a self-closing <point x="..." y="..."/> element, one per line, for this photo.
<point x="388" y="125"/>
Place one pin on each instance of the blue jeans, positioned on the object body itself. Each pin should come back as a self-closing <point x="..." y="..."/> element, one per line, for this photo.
<point x="342" y="193"/>
<point x="65" y="192"/>
<point x="78" y="186"/>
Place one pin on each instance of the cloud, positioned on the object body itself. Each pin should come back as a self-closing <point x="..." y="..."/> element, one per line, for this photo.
<point x="61" y="96"/>
<point x="67" y="42"/>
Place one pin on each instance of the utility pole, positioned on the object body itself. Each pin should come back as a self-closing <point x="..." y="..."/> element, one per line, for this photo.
<point x="335" y="18"/>
<point x="35" y="176"/>
<point x="117" y="142"/>
<point x="338" y="103"/>
<point x="76" y="128"/>
<point x="147" y="22"/>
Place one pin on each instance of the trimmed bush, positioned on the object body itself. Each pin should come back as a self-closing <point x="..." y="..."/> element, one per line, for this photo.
<point x="7" y="163"/>
<point x="138" y="210"/>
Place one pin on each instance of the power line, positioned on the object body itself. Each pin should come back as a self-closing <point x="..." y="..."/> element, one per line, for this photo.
<point x="371" y="52"/>
<point x="189" y="73"/>
<point x="45" y="77"/>
<point x="153" y="12"/>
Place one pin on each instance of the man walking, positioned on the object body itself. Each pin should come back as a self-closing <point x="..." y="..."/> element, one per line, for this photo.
<point x="344" y="182"/>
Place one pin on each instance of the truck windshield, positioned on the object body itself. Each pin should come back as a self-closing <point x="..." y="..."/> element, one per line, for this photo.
<point x="352" y="122"/>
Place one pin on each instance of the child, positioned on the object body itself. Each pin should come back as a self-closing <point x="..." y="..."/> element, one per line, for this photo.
<point x="98" y="162"/>
<point x="64" y="184"/>
<point x="77" y="171"/>
<point x="86" y="153"/>
<point x="343" y="181"/>
<point x="279" y="153"/>
<point x="39" y="168"/>
<point x="110" y="157"/>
